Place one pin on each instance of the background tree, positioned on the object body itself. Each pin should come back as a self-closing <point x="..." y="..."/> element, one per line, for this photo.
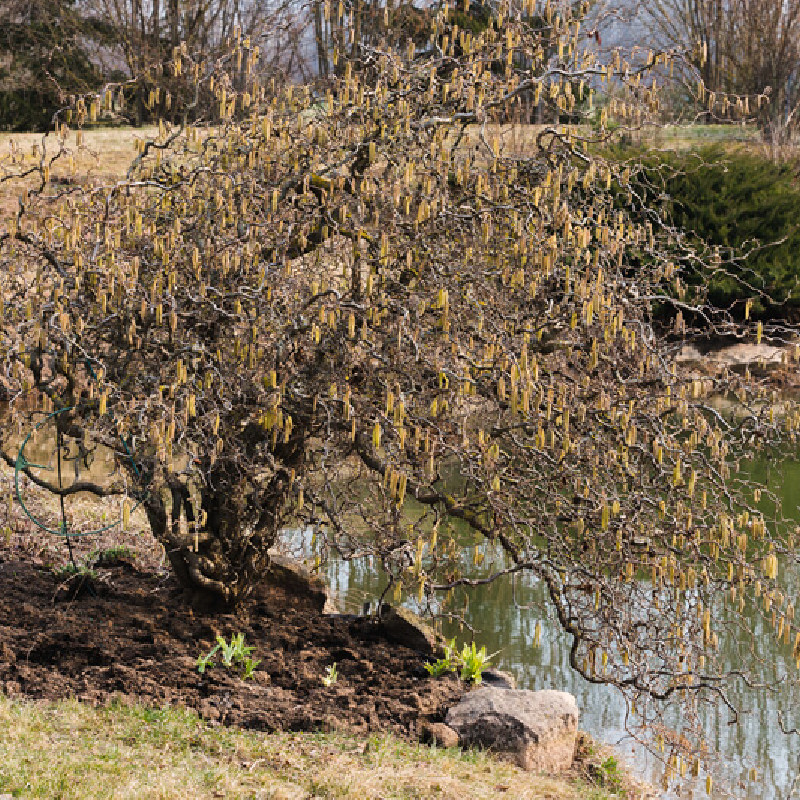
<point x="341" y="31"/>
<point x="51" y="51"/>
<point x="370" y="312"/>
<point x="43" y="58"/>
<point x="142" y="37"/>
<point x="746" y="48"/>
<point x="744" y="205"/>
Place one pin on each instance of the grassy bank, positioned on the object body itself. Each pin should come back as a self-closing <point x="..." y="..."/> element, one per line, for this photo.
<point x="71" y="750"/>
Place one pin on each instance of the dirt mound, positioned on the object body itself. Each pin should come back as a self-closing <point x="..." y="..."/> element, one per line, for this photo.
<point x="137" y="639"/>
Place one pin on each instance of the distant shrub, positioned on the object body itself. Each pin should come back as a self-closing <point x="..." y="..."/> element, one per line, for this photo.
<point x="747" y="206"/>
<point x="44" y="58"/>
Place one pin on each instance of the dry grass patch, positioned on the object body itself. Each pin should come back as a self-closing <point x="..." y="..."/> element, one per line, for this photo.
<point x="690" y="137"/>
<point x="104" y="152"/>
<point x="69" y="750"/>
<point x="103" y="156"/>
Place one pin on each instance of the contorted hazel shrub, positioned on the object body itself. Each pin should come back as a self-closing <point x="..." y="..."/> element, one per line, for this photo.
<point x="378" y="306"/>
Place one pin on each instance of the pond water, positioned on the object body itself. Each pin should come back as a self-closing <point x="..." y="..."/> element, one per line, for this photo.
<point x="504" y="617"/>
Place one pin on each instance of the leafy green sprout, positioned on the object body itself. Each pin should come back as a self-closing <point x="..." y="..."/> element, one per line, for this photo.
<point x="96" y="558"/>
<point x="249" y="665"/>
<point x="470" y="662"/>
<point x="331" y="675"/>
<point x="446" y="664"/>
<point x="610" y="773"/>
<point x="206" y="660"/>
<point x="474" y="662"/>
<point x="438" y="668"/>
<point x="235" y="651"/>
<point x="234" y="654"/>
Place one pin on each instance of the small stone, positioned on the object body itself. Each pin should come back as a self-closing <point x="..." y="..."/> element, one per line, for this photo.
<point x="440" y="734"/>
<point x="7" y="655"/>
<point x="404" y="627"/>
<point x="208" y="711"/>
<point x="537" y="730"/>
<point x="498" y="679"/>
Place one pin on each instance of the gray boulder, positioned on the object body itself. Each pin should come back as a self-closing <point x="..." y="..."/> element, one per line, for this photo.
<point x="536" y="730"/>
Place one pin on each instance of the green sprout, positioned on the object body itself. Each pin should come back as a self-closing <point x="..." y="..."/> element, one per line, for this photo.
<point x="331" y="675"/>
<point x="474" y="662"/>
<point x="470" y="662"/>
<point x="444" y="665"/>
<point x="234" y="653"/>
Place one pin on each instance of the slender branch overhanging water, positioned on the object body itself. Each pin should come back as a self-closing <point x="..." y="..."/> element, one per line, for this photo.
<point x="750" y="731"/>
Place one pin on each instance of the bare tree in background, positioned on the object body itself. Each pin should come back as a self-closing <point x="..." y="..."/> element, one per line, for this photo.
<point x="43" y="58"/>
<point x="145" y="33"/>
<point x="748" y="48"/>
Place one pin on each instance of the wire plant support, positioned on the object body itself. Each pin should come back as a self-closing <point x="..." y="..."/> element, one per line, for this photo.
<point x="22" y="464"/>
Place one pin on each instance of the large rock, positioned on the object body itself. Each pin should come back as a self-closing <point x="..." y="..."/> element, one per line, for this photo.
<point x="295" y="578"/>
<point x="537" y="730"/>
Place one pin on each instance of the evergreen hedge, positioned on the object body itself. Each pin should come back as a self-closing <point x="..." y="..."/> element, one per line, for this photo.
<point x="749" y="207"/>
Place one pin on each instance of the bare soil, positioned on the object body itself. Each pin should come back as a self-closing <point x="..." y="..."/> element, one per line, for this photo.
<point x="137" y="639"/>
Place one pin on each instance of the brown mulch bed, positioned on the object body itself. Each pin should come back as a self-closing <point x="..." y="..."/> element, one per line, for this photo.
<point x="138" y="640"/>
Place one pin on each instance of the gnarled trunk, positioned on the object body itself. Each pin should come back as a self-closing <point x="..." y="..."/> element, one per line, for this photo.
<point x="220" y="551"/>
